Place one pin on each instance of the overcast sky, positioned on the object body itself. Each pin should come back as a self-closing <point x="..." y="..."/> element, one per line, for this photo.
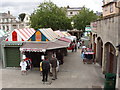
<point x="28" y="6"/>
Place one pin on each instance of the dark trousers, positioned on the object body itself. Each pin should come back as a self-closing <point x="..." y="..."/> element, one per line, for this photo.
<point x="45" y="75"/>
<point x="54" y="72"/>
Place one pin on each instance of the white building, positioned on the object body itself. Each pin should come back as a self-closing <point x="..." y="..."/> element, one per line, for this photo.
<point x="26" y="21"/>
<point x="73" y="11"/>
<point x="8" y="22"/>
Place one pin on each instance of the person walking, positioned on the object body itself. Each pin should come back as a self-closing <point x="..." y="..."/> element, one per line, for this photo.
<point x="45" y="69"/>
<point x="75" y="47"/>
<point x="23" y="65"/>
<point x="83" y="56"/>
<point x="53" y="62"/>
<point x="59" y="56"/>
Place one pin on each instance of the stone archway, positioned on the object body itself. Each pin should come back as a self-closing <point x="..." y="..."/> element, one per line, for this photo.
<point x="110" y="58"/>
<point x="99" y="51"/>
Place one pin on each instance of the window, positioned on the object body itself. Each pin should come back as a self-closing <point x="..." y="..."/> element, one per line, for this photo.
<point x="105" y="9"/>
<point x="111" y="8"/>
<point x="71" y="12"/>
<point x="7" y="28"/>
<point x="3" y="27"/>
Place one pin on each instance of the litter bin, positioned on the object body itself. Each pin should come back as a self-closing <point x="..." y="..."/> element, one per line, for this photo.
<point x="110" y="80"/>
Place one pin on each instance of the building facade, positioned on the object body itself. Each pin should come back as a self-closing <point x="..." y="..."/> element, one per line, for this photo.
<point x="73" y="11"/>
<point x="106" y="38"/>
<point x="26" y="21"/>
<point x="9" y="22"/>
<point x="110" y="7"/>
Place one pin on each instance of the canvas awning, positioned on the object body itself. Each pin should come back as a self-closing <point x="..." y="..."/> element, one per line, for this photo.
<point x="43" y="46"/>
<point x="60" y="34"/>
<point x="49" y="33"/>
<point x="65" y="39"/>
<point x="33" y="47"/>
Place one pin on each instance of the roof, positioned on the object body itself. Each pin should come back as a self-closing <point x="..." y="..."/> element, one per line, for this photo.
<point x="108" y="3"/>
<point x="66" y="33"/>
<point x="65" y="39"/>
<point x="60" y="34"/>
<point x="22" y="34"/>
<point x="49" y="33"/>
<point x="6" y="15"/>
<point x="43" y="46"/>
<point x="74" y="9"/>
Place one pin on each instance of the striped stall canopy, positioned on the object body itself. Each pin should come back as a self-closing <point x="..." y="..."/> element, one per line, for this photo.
<point x="60" y="34"/>
<point x="20" y="34"/>
<point x="48" y="33"/>
<point x="66" y="34"/>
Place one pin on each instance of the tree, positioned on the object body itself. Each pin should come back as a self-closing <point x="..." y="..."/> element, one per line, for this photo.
<point x="48" y="15"/>
<point x="84" y="18"/>
<point x="21" y="16"/>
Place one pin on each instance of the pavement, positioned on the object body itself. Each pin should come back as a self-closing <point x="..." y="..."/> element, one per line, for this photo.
<point x="0" y="74"/>
<point x="73" y="74"/>
<point x="119" y="83"/>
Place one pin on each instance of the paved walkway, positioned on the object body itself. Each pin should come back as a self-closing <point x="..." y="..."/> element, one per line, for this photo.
<point x="73" y="74"/>
<point x="0" y="74"/>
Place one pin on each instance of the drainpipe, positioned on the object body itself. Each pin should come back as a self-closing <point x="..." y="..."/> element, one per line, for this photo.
<point x="118" y="63"/>
<point x="117" y="6"/>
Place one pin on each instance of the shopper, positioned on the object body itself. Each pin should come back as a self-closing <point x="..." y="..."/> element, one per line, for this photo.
<point x="23" y="65"/>
<point x="45" y="69"/>
<point x="59" y="56"/>
<point x="53" y="62"/>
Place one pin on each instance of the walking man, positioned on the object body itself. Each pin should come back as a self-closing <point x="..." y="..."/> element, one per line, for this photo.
<point x="53" y="62"/>
<point x="45" y="69"/>
<point x="59" y="56"/>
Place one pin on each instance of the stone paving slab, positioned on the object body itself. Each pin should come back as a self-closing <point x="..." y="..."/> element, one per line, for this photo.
<point x="73" y="74"/>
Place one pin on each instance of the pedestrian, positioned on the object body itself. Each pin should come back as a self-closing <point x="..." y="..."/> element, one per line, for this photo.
<point x="58" y="66"/>
<point x="23" y="65"/>
<point x="59" y="56"/>
<point x="40" y="68"/>
<point x="45" y="69"/>
<point x="29" y="63"/>
<point x="78" y="44"/>
<point x="83" y="56"/>
<point x="53" y="62"/>
<point x="75" y="46"/>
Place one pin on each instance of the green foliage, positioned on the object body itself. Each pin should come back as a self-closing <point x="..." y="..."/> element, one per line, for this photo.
<point x="48" y="15"/>
<point x="21" y="16"/>
<point x="84" y="18"/>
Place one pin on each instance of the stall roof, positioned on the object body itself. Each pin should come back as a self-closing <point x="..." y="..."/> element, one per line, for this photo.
<point x="49" y="33"/>
<point x="42" y="46"/>
<point x="65" y="39"/>
<point x="66" y="33"/>
<point x="20" y="34"/>
<point x="60" y="34"/>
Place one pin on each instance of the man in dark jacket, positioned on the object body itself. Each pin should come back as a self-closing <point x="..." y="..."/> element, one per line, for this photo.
<point x="45" y="69"/>
<point x="53" y="62"/>
<point x="59" y="56"/>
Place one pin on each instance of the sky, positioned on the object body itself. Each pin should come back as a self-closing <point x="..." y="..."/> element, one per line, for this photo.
<point x="17" y="7"/>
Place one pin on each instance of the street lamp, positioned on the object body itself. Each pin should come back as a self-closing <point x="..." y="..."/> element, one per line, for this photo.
<point x="72" y="23"/>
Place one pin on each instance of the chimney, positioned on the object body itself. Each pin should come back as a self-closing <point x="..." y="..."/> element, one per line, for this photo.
<point x="9" y="12"/>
